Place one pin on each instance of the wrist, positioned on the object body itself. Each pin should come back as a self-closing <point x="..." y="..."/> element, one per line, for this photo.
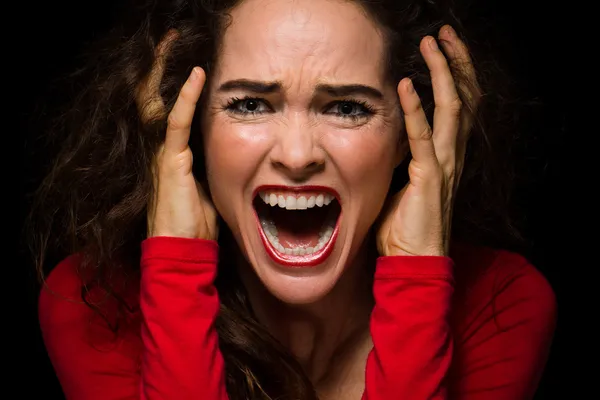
<point x="434" y="251"/>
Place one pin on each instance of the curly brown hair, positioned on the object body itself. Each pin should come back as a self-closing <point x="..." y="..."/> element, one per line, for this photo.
<point x="94" y="198"/>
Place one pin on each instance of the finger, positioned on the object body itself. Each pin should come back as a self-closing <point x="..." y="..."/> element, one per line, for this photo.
<point x="448" y="106"/>
<point x="461" y="62"/>
<point x="182" y="114"/>
<point x="417" y="126"/>
<point x="469" y="90"/>
<point x="148" y="99"/>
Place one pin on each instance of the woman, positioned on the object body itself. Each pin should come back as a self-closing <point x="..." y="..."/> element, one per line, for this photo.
<point x="330" y="283"/>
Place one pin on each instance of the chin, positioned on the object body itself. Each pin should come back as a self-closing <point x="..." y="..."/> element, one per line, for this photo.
<point x="300" y="286"/>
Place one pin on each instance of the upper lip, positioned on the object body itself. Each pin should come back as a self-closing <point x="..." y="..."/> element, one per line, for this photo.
<point x="297" y="189"/>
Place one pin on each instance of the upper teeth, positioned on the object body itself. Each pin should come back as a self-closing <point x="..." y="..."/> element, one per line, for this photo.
<point x="296" y="201"/>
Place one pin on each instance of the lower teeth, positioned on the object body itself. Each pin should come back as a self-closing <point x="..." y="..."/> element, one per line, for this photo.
<point x="324" y="236"/>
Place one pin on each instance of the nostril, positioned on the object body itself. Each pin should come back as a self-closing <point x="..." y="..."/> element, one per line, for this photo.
<point x="315" y="165"/>
<point x="304" y="170"/>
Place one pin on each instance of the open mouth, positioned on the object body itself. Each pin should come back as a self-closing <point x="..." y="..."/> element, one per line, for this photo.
<point x="298" y="226"/>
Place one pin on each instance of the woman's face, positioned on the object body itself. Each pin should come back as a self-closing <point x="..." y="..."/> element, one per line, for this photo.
<point x="301" y="133"/>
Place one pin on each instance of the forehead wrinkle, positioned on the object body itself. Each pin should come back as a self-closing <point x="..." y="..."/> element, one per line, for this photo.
<point x="297" y="25"/>
<point x="299" y="48"/>
<point x="310" y="70"/>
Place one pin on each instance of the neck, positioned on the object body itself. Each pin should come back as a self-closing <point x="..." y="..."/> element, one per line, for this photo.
<point x="322" y="335"/>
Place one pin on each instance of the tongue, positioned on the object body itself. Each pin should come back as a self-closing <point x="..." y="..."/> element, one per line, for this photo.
<point x="298" y="228"/>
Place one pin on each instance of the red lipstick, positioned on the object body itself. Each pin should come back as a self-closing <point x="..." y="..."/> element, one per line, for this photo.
<point x="290" y="260"/>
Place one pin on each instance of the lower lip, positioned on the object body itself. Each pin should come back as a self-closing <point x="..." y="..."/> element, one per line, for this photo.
<point x="288" y="260"/>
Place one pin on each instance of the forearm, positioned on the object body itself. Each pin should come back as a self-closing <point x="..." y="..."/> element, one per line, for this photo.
<point x="179" y="304"/>
<point x="410" y="329"/>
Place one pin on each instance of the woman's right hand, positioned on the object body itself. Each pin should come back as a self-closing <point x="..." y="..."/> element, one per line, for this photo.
<point x="179" y="207"/>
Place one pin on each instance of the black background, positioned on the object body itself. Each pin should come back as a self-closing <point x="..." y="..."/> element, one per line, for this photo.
<point x="533" y="39"/>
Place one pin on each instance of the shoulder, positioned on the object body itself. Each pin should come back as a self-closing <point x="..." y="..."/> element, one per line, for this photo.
<point x="90" y="358"/>
<point x="61" y="288"/>
<point x="503" y="281"/>
<point x="62" y="313"/>
<point x="503" y="322"/>
<point x="62" y="304"/>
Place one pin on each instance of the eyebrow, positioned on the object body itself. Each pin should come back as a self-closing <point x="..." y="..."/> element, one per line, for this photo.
<point x="349" y="90"/>
<point x="251" y="86"/>
<point x="261" y="87"/>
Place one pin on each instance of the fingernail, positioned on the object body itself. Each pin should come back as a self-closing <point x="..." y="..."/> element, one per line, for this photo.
<point x="194" y="74"/>
<point x="409" y="87"/>
<point x="433" y="45"/>
<point x="450" y="31"/>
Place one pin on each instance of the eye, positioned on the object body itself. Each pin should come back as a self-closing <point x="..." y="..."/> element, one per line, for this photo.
<point x="350" y="109"/>
<point x="247" y="106"/>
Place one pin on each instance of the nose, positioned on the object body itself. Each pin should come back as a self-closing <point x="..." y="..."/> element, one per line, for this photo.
<point x="298" y="154"/>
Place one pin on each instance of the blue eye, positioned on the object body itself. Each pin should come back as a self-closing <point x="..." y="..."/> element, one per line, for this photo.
<point x="247" y="106"/>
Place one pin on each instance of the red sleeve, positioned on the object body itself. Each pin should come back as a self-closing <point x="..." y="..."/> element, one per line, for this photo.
<point x="504" y="320"/>
<point x="177" y="356"/>
<point x="89" y="360"/>
<point x="489" y="340"/>
<point x="179" y="304"/>
<point x="412" y="345"/>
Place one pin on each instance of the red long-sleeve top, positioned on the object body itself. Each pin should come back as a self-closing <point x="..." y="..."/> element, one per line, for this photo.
<point x="476" y="325"/>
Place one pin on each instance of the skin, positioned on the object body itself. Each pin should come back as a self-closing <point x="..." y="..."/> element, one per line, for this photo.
<point x="301" y="141"/>
<point x="320" y="313"/>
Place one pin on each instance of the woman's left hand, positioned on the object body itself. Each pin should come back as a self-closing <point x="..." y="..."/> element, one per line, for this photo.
<point x="417" y="220"/>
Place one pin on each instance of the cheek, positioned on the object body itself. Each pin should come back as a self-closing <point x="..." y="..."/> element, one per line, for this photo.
<point x="366" y="158"/>
<point x="233" y="153"/>
<point x="366" y="161"/>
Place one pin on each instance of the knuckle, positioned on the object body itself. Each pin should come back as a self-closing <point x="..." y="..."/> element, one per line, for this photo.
<point x="183" y="160"/>
<point x="416" y="171"/>
<point x="169" y="163"/>
<point x="447" y="159"/>
<point x="425" y="172"/>
<point x="424" y="133"/>
<point x="414" y="109"/>
<point x="450" y="175"/>
<point x="456" y="103"/>
<point x="175" y="122"/>
<point x="455" y="106"/>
